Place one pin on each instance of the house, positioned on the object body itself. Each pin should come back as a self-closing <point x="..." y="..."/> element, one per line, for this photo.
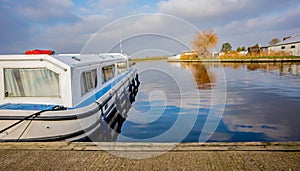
<point x="289" y="45"/>
<point x="175" y="57"/>
<point x="254" y="49"/>
<point x="189" y="55"/>
<point x="198" y="54"/>
<point x="243" y="53"/>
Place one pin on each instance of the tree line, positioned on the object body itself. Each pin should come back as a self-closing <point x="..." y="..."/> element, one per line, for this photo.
<point x="206" y="40"/>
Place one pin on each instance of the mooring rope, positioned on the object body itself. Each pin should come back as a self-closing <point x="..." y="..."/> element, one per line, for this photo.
<point x="34" y="115"/>
<point x="26" y="127"/>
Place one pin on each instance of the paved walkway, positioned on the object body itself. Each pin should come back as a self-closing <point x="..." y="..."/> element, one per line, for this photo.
<point x="149" y="156"/>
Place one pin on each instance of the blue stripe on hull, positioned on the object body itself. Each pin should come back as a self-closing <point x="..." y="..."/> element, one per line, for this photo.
<point x="11" y="106"/>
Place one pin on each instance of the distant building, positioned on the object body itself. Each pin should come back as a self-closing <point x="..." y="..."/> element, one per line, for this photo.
<point x="221" y="54"/>
<point x="264" y="49"/>
<point x="254" y="49"/>
<point x="215" y="54"/>
<point x="175" y="57"/>
<point x="289" y="44"/>
<point x="189" y="55"/>
<point x="243" y="53"/>
<point x="196" y="54"/>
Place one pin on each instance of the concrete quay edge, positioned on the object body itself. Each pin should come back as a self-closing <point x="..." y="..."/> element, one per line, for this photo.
<point x="137" y="146"/>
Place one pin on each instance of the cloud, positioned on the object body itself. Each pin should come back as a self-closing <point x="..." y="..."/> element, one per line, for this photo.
<point x="223" y="10"/>
<point x="22" y="21"/>
<point x="280" y="21"/>
<point x="244" y="22"/>
<point x="66" y="25"/>
<point x="116" y="8"/>
<point x="70" y="37"/>
<point x="261" y="29"/>
<point x="46" y="11"/>
<point x="54" y="24"/>
<point x="107" y="4"/>
<point x="13" y="27"/>
<point x="144" y="31"/>
<point x="200" y="9"/>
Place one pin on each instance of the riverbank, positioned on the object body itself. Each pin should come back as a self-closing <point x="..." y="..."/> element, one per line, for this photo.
<point x="185" y="156"/>
<point x="148" y="59"/>
<point x="241" y="60"/>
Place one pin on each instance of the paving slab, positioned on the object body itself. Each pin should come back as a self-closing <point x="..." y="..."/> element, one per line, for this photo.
<point x="149" y="156"/>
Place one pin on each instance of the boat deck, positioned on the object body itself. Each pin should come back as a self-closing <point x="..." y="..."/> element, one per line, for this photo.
<point x="189" y="156"/>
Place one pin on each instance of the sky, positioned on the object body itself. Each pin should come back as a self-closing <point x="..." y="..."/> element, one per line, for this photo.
<point x="145" y="27"/>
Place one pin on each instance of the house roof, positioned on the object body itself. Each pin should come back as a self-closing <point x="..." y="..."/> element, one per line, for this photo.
<point x="293" y="39"/>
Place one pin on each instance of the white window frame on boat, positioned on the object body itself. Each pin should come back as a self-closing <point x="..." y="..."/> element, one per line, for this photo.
<point x="38" y="61"/>
<point x="31" y="82"/>
<point x="122" y="67"/>
<point x="88" y="81"/>
<point x="106" y="73"/>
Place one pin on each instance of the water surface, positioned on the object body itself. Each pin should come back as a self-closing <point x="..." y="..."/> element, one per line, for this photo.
<point x="196" y="102"/>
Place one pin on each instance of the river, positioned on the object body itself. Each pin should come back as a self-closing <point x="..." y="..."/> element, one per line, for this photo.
<point x="215" y="102"/>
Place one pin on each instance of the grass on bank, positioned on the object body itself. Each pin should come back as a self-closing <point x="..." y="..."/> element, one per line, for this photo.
<point x="236" y="56"/>
<point x="260" y="55"/>
<point x="149" y="58"/>
<point x="243" y="58"/>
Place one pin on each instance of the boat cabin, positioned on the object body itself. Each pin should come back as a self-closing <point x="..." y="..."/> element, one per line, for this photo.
<point x="69" y="80"/>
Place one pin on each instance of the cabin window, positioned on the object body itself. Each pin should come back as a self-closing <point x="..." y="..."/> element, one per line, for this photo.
<point x="293" y="47"/>
<point x="88" y="81"/>
<point x="30" y="82"/>
<point x="282" y="47"/>
<point x="108" y="72"/>
<point x="122" y="67"/>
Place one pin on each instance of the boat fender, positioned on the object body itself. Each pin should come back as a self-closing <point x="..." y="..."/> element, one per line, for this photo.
<point x="133" y="83"/>
<point x="57" y="107"/>
<point x="131" y="91"/>
<point x="137" y="80"/>
<point x="135" y="86"/>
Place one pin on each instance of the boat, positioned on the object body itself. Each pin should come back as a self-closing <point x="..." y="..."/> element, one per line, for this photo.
<point x="64" y="97"/>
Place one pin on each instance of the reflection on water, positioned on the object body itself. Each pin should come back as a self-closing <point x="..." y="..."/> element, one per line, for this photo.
<point x="262" y="102"/>
<point x="280" y="68"/>
<point x="204" y="78"/>
<point x="109" y="131"/>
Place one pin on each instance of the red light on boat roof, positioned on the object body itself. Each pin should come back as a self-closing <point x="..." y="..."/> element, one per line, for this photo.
<point x="39" y="52"/>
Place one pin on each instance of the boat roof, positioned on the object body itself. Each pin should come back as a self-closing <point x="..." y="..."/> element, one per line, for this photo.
<point x="71" y="60"/>
<point x="86" y="59"/>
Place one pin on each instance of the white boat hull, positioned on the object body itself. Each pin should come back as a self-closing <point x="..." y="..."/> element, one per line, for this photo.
<point x="99" y="121"/>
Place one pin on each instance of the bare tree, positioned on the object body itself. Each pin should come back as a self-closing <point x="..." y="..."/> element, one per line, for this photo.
<point x="204" y="41"/>
<point x="274" y="41"/>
